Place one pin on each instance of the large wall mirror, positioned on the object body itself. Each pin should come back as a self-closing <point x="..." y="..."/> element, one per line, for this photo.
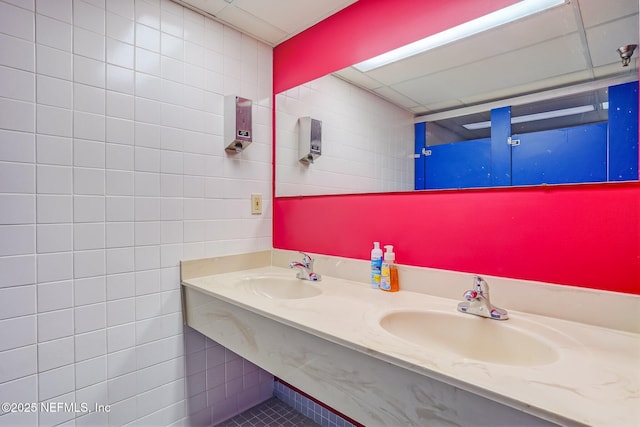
<point x="548" y="71"/>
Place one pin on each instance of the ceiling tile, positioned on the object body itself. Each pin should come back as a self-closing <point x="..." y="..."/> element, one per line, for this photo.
<point x="271" y="21"/>
<point x="397" y="98"/>
<point x="360" y="79"/>
<point x="515" y="36"/>
<point x="596" y="12"/>
<point x="542" y="61"/>
<point x="292" y="16"/>
<point x="210" y="6"/>
<point x="251" y="25"/>
<point x="604" y="39"/>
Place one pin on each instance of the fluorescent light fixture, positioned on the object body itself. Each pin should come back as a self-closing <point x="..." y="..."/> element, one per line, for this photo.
<point x="508" y="14"/>
<point x="537" y="116"/>
<point x="479" y="125"/>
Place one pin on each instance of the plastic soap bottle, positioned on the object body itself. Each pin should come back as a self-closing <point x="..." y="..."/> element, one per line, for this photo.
<point x="389" y="271"/>
<point x="376" y="265"/>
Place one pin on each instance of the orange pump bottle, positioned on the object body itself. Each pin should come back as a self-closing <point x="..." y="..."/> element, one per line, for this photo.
<point x="389" y="275"/>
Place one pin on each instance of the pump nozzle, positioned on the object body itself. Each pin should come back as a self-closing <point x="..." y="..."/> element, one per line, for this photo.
<point x="389" y="255"/>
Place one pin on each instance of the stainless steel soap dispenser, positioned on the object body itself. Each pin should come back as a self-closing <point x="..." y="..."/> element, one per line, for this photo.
<point x="309" y="140"/>
<point x="237" y="123"/>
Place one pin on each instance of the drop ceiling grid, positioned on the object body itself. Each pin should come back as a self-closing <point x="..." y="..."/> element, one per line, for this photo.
<point x="271" y="21"/>
<point x="466" y="52"/>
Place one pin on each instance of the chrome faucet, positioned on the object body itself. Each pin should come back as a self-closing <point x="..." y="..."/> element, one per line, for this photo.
<point x="305" y="268"/>
<point x="478" y="301"/>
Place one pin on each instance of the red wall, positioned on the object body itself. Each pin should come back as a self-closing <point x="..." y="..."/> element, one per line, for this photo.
<point x="583" y="235"/>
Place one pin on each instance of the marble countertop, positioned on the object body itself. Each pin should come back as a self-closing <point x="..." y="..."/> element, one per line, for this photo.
<point x="594" y="381"/>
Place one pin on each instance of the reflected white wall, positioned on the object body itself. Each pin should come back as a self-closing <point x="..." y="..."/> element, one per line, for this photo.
<point x="367" y="142"/>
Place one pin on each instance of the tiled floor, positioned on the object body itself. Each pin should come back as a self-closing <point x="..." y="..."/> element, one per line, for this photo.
<point x="272" y="413"/>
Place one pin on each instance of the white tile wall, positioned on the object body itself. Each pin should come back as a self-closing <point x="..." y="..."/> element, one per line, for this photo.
<point x="112" y="169"/>
<point x="367" y="142"/>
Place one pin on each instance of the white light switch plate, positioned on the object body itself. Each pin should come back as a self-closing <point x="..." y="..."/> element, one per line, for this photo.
<point x="256" y="204"/>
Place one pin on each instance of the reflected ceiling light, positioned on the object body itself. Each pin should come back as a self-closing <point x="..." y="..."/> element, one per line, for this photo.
<point x="503" y="16"/>
<point x="537" y="116"/>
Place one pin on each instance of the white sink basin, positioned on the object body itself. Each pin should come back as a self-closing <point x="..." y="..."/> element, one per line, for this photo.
<point x="280" y="287"/>
<point x="471" y="337"/>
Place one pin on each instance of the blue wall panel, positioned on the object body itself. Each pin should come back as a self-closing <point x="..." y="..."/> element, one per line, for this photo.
<point x="623" y="132"/>
<point x="465" y="164"/>
<point x="500" y="149"/>
<point x="560" y="156"/>
<point x="420" y="132"/>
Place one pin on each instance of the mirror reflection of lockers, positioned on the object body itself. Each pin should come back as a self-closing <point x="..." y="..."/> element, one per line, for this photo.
<point x="566" y="140"/>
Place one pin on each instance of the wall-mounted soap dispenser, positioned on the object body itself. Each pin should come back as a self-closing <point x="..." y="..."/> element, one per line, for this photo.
<point x="309" y="140"/>
<point x="237" y="123"/>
